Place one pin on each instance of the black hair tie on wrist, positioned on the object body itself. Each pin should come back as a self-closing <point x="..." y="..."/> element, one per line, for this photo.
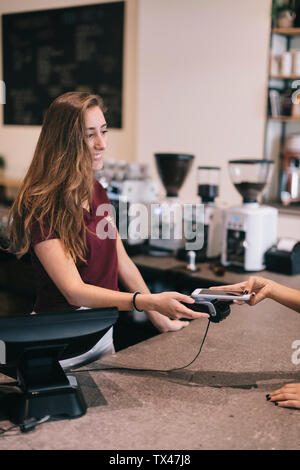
<point x="134" y="304"/>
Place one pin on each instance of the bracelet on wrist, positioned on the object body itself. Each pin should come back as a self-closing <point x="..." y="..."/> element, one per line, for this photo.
<point x="134" y="304"/>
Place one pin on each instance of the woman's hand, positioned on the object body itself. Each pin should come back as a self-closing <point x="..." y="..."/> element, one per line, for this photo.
<point x="169" y="304"/>
<point x="259" y="288"/>
<point x="287" y="396"/>
<point x="165" y="324"/>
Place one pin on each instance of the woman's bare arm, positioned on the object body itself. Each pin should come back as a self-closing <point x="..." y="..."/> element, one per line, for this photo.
<point x="63" y="272"/>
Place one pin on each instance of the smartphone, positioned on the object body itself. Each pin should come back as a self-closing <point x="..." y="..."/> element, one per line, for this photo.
<point x="210" y="294"/>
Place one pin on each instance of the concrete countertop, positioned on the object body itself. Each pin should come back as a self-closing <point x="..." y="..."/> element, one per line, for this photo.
<point x="218" y="402"/>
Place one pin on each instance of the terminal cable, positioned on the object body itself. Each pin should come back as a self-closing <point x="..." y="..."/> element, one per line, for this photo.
<point x="150" y="370"/>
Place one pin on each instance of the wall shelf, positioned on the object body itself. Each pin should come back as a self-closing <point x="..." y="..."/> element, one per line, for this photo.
<point x="292" y="209"/>
<point x="286" y="31"/>
<point x="285" y="118"/>
<point x="285" y="77"/>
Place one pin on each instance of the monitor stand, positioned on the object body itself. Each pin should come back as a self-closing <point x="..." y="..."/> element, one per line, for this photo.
<point x="45" y="389"/>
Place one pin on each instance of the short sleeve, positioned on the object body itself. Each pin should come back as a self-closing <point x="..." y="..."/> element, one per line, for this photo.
<point x="37" y="236"/>
<point x="100" y="195"/>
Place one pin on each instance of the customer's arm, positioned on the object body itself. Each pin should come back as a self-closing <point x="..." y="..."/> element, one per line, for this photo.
<point x="285" y="296"/>
<point x="263" y="288"/>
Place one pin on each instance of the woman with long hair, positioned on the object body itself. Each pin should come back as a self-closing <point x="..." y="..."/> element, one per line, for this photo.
<point x="56" y="217"/>
<point x="262" y="288"/>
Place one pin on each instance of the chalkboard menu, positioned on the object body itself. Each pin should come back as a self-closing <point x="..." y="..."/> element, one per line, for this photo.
<point x="49" y="52"/>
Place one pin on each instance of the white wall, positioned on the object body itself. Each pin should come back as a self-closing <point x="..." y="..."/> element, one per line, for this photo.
<point x="289" y="226"/>
<point x="17" y="143"/>
<point x="202" y="81"/>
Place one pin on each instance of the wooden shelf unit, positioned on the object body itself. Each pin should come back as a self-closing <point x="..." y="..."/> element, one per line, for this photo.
<point x="285" y="121"/>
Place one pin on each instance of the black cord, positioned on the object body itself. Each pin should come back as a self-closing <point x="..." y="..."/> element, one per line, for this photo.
<point x="198" y="353"/>
<point x="28" y="424"/>
<point x="3" y="431"/>
<point x="150" y="370"/>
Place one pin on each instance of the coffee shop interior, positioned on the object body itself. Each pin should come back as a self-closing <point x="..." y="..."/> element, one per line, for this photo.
<point x="203" y="112"/>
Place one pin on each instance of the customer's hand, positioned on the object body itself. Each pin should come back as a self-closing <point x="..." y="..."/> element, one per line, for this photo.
<point x="287" y="396"/>
<point x="259" y="288"/>
<point x="169" y="304"/>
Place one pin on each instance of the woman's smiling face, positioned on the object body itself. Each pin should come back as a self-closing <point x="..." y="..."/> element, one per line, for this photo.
<point x="96" y="135"/>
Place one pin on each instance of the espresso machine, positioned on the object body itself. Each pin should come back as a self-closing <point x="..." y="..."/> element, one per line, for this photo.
<point x="166" y="223"/>
<point x="131" y="193"/>
<point x="251" y="229"/>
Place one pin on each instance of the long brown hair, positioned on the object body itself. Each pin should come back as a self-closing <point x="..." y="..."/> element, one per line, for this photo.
<point x="59" y="179"/>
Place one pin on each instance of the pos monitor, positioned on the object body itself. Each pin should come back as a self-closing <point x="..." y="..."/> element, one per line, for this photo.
<point x="31" y="347"/>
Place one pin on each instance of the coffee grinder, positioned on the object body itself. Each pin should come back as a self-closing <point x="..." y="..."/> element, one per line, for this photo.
<point x="129" y="189"/>
<point x="251" y="229"/>
<point x="167" y="216"/>
<point x="208" y="190"/>
<point x="210" y="224"/>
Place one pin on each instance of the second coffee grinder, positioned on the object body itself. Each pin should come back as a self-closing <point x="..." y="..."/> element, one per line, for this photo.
<point x="208" y="181"/>
<point x="208" y="190"/>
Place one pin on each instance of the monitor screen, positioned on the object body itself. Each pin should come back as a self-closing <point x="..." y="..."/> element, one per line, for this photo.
<point x="78" y="330"/>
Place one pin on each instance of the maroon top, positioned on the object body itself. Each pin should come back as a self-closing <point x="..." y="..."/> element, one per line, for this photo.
<point x="101" y="256"/>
